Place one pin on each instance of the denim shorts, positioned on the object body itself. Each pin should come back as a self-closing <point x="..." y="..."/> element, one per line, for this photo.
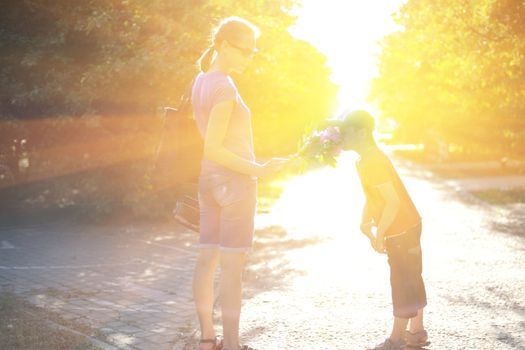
<point x="406" y="267"/>
<point x="227" y="211"/>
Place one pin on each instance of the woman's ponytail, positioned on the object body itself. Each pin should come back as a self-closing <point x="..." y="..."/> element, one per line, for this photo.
<point x="204" y="61"/>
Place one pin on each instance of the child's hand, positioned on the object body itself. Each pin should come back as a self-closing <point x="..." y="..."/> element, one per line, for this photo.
<point x="372" y="242"/>
<point x="366" y="228"/>
<point x="380" y="245"/>
<point x="272" y="167"/>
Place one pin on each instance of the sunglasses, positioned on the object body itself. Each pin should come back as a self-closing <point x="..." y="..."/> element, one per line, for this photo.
<point x="245" y="51"/>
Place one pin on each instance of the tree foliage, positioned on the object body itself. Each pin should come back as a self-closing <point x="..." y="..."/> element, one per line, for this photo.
<point x="456" y="71"/>
<point x="82" y="82"/>
<point x="64" y="58"/>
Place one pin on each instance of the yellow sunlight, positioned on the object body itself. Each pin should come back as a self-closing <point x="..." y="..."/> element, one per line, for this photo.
<point x="347" y="32"/>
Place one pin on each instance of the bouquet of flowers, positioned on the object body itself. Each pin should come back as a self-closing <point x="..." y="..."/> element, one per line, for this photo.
<point x="321" y="147"/>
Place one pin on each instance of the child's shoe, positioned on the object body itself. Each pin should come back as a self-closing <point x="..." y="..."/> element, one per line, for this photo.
<point x="390" y="345"/>
<point x="416" y="339"/>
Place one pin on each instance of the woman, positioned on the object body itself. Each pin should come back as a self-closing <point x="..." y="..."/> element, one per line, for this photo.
<point x="228" y="180"/>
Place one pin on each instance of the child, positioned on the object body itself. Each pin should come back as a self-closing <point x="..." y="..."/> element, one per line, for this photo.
<point x="391" y="211"/>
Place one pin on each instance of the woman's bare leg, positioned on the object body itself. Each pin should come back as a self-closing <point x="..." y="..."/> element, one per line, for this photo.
<point x="207" y="262"/>
<point x="232" y="266"/>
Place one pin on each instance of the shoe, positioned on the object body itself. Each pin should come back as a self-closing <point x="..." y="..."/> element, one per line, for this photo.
<point x="217" y="343"/>
<point x="390" y="345"/>
<point x="244" y="347"/>
<point x="417" y="339"/>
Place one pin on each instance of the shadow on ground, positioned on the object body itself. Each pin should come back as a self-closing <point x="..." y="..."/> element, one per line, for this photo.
<point x="506" y="206"/>
<point x="267" y="269"/>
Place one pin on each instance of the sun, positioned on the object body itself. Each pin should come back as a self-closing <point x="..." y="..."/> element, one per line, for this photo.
<point x="348" y="32"/>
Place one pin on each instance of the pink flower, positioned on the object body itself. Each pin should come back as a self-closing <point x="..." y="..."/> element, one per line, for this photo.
<point x="321" y="147"/>
<point x="330" y="134"/>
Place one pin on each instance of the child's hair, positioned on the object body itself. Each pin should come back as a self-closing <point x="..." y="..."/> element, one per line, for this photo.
<point x="230" y="29"/>
<point x="359" y="119"/>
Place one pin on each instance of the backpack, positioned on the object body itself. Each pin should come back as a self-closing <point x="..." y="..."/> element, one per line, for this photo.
<point x="178" y="158"/>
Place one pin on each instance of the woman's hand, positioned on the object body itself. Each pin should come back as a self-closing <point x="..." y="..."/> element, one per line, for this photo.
<point x="272" y="167"/>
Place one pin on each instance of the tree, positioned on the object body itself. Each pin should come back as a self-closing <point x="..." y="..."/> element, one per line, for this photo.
<point x="456" y="69"/>
<point x="82" y="82"/>
<point x="112" y="57"/>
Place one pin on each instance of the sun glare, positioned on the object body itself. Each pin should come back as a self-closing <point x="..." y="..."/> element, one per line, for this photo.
<point x="347" y="32"/>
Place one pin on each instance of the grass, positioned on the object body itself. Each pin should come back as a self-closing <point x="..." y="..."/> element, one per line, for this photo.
<point x="501" y="197"/>
<point x="24" y="326"/>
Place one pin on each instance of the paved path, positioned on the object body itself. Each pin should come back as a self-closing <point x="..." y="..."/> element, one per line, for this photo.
<point x="493" y="182"/>
<point x="312" y="280"/>
<point x="132" y="284"/>
<point x="337" y="296"/>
